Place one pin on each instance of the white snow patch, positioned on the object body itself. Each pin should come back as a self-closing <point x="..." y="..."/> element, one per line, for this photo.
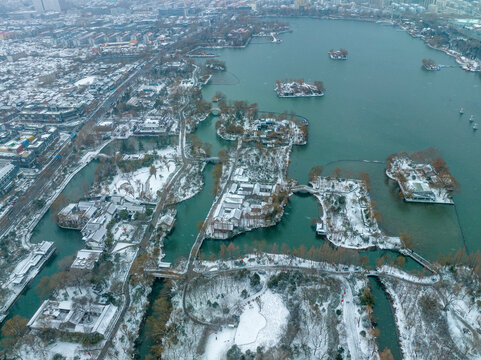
<point x="262" y="325"/>
<point x="250" y="324"/>
<point x="219" y="343"/>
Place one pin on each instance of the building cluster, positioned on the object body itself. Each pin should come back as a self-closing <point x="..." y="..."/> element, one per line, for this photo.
<point x="421" y="182"/>
<point x="269" y="131"/>
<point x="243" y="206"/>
<point x="92" y="218"/>
<point x="8" y="171"/>
<point x="20" y="145"/>
<point x="378" y="7"/>
<point x="24" y="272"/>
<point x="69" y="316"/>
<point x="155" y="125"/>
<point x="33" y="262"/>
<point x="41" y="88"/>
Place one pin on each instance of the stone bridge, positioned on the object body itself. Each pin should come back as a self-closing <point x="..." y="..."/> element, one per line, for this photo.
<point x="304" y="189"/>
<point x="163" y="273"/>
<point x="212" y="159"/>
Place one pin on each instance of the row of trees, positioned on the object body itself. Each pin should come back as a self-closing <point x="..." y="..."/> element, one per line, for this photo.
<point x="156" y="323"/>
<point x="462" y="258"/>
<point x="325" y="252"/>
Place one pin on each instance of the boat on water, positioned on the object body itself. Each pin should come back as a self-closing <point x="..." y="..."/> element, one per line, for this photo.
<point x="471" y="118"/>
<point x="461" y="111"/>
<point x="475" y="126"/>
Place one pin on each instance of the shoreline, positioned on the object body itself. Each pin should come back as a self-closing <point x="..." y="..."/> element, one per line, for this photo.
<point x="299" y="96"/>
<point x="30" y="277"/>
<point x="464" y="64"/>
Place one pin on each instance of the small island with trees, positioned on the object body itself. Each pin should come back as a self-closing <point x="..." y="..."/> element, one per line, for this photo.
<point x="340" y="54"/>
<point x="422" y="177"/>
<point x="430" y="65"/>
<point x="299" y="88"/>
<point x="214" y="64"/>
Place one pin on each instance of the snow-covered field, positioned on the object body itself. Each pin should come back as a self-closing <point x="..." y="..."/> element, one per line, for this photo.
<point x="142" y="183"/>
<point x="261" y="324"/>
<point x="311" y="315"/>
<point x="219" y="343"/>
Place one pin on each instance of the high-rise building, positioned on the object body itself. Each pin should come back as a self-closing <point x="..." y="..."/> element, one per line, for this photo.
<point x="48" y="5"/>
<point x="38" y="4"/>
<point x="301" y="3"/>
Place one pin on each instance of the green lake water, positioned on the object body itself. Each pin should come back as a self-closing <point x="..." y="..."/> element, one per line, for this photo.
<point x="378" y="102"/>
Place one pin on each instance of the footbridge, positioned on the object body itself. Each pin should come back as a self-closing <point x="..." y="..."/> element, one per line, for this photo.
<point x="419" y="259"/>
<point x="163" y="273"/>
<point x="212" y="159"/>
<point x="101" y="156"/>
<point x="304" y="189"/>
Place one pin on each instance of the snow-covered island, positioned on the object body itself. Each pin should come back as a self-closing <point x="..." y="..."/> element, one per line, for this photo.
<point x="251" y="180"/>
<point x="298" y="88"/>
<point x="214" y="64"/>
<point x="430" y="65"/>
<point x="268" y="128"/>
<point x="348" y="216"/>
<point x="252" y="191"/>
<point x="422" y="179"/>
<point x="340" y="54"/>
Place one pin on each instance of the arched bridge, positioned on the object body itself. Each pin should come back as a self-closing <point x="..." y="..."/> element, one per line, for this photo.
<point x="304" y="189"/>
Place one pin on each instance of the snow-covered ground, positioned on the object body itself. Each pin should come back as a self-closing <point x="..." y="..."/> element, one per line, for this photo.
<point x="398" y="273"/>
<point x="251" y="322"/>
<point x="219" y="343"/>
<point x="142" y="183"/>
<point x="348" y="215"/>
<point x="262" y="323"/>
<point x="123" y="232"/>
<point x="435" y="320"/>
<point x="324" y="314"/>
